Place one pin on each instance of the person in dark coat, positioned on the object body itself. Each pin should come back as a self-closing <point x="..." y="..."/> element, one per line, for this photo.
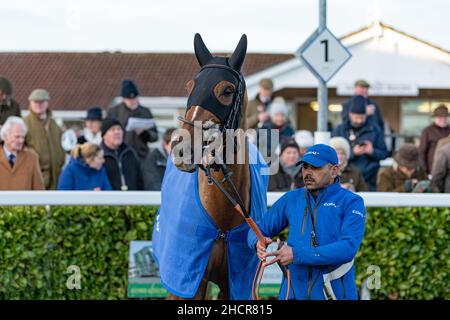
<point x="372" y="108"/>
<point x="8" y="106"/>
<point x="155" y="163"/>
<point x="289" y="175"/>
<point x="441" y="169"/>
<point x="130" y="108"/>
<point x="85" y="170"/>
<point x="121" y="161"/>
<point x="431" y="135"/>
<point x="93" y="123"/>
<point x="366" y="140"/>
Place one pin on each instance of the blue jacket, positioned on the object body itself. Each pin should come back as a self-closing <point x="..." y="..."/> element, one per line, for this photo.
<point x="368" y="165"/>
<point x="340" y="225"/>
<point x="77" y="175"/>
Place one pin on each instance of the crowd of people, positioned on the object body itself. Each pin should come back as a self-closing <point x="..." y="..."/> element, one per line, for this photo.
<point x="110" y="156"/>
<point x="107" y="156"/>
<point x="361" y="143"/>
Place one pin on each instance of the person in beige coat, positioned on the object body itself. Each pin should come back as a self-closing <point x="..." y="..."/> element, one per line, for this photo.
<point x="44" y="137"/>
<point x="19" y="166"/>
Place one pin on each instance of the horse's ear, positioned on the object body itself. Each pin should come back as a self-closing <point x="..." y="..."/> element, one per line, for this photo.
<point x="237" y="58"/>
<point x="201" y="51"/>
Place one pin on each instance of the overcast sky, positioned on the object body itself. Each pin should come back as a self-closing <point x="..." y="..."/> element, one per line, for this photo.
<point x="170" y="25"/>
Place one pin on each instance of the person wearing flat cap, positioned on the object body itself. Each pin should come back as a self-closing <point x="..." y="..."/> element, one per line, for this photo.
<point x="93" y="123"/>
<point x="372" y="110"/>
<point x="130" y="108"/>
<point x="431" y="135"/>
<point x="44" y="137"/>
<point x="405" y="175"/>
<point x="326" y="226"/>
<point x="366" y="141"/>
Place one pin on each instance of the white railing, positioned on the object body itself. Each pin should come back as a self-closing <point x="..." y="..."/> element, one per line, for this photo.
<point x="129" y="198"/>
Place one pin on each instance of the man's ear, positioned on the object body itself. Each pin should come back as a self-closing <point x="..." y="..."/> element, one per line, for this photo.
<point x="335" y="171"/>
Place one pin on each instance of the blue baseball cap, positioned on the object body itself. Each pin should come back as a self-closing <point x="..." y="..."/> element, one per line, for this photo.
<point x="319" y="155"/>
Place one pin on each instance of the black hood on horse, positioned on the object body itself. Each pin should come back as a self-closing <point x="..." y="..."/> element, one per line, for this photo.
<point x="215" y="70"/>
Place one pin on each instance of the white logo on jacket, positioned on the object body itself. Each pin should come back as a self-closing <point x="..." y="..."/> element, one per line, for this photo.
<point x="330" y="204"/>
<point x="358" y="213"/>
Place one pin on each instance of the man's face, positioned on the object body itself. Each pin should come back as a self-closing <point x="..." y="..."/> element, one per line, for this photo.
<point x="39" y="107"/>
<point x="93" y="125"/>
<point x="318" y="178"/>
<point x="357" y="120"/>
<point x="361" y="91"/>
<point x="441" y="121"/>
<point x="265" y="93"/>
<point x="113" y="138"/>
<point x="15" y="139"/>
<point x="407" y="170"/>
<point x="290" y="156"/>
<point x="131" y="103"/>
<point x="3" y="96"/>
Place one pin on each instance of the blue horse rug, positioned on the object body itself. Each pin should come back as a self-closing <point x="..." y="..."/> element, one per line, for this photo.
<point x="184" y="233"/>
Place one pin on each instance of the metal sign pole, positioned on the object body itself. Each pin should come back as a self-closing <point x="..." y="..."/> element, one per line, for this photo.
<point x="322" y="136"/>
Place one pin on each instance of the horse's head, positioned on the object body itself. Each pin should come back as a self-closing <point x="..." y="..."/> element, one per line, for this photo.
<point x="217" y="98"/>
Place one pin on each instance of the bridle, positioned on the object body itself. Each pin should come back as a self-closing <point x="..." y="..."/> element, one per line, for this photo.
<point x="232" y="122"/>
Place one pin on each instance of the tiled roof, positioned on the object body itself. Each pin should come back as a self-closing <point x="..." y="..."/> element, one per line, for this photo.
<point x="76" y="81"/>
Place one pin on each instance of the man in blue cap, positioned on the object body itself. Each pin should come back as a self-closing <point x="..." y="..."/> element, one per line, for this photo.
<point x="326" y="226"/>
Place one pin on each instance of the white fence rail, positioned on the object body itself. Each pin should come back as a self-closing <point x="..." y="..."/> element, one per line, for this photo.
<point x="129" y="198"/>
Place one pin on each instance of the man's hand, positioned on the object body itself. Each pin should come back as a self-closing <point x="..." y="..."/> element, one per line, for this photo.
<point x="284" y="255"/>
<point x="370" y="109"/>
<point x="261" y="248"/>
<point x="358" y="150"/>
<point x="263" y="117"/>
<point x="368" y="147"/>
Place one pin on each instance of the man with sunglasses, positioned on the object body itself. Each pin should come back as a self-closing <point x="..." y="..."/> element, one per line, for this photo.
<point x="326" y="226"/>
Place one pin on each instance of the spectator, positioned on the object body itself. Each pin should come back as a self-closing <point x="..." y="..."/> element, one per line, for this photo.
<point x="93" y="123"/>
<point x="121" y="161"/>
<point x="85" y="170"/>
<point x="431" y="135"/>
<point x="366" y="140"/>
<point x="19" y="166"/>
<point x="44" y="137"/>
<point x="257" y="111"/>
<point x="156" y="161"/>
<point x="372" y="109"/>
<point x="351" y="178"/>
<point x="304" y="139"/>
<point x="441" y="169"/>
<point x="405" y="175"/>
<point x="130" y="108"/>
<point x="8" y="106"/>
<point x="278" y="121"/>
<point x="289" y="175"/>
<point x="441" y="143"/>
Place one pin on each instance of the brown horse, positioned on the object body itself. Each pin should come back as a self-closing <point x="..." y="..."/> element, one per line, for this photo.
<point x="212" y="95"/>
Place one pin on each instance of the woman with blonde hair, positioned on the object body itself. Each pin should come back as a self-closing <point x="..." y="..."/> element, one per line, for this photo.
<point x="85" y="170"/>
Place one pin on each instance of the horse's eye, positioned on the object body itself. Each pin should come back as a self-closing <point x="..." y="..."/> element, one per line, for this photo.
<point x="228" y="91"/>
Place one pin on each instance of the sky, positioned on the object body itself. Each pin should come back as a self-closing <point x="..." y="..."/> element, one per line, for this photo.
<point x="276" y="26"/>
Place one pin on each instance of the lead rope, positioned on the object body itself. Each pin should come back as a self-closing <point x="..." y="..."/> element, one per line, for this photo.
<point x="240" y="208"/>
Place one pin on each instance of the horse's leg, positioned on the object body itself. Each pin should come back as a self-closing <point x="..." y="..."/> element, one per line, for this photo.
<point x="219" y="274"/>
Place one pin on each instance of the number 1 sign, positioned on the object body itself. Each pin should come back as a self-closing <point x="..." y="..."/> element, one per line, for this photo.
<point x="323" y="54"/>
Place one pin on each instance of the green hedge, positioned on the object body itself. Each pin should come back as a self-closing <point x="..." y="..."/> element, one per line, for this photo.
<point x="410" y="246"/>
